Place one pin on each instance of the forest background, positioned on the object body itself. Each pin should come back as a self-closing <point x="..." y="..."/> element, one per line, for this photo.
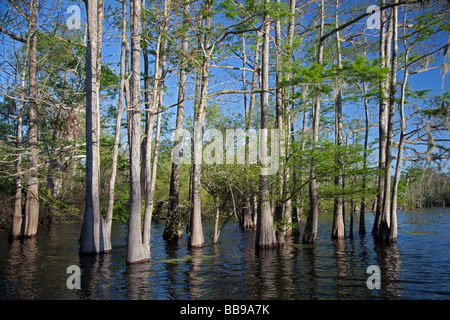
<point x="94" y="98"/>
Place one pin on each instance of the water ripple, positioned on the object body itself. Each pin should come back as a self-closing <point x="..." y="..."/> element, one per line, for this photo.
<point x="414" y="268"/>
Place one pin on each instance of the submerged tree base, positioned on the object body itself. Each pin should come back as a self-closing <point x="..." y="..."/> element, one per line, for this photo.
<point x="338" y="236"/>
<point x="269" y="246"/>
<point x="175" y="238"/>
<point x="309" y="238"/>
<point x="138" y="261"/>
<point x="171" y="234"/>
<point x="248" y="225"/>
<point x="196" y="246"/>
<point x="384" y="240"/>
<point x="20" y="237"/>
<point x="93" y="253"/>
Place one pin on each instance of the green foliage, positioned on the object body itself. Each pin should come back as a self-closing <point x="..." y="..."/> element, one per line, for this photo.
<point x="423" y="186"/>
<point x="439" y="107"/>
<point x="362" y="69"/>
<point x="333" y="159"/>
<point x="108" y="78"/>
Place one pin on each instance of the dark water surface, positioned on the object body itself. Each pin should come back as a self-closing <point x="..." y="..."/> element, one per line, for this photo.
<point x="417" y="267"/>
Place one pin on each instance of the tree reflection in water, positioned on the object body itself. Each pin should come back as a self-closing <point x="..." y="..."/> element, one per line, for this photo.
<point x="21" y="269"/>
<point x="138" y="281"/>
<point x="389" y="261"/>
<point x="232" y="269"/>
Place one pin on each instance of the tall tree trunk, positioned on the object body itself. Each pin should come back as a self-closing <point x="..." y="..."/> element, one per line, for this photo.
<point x="198" y="89"/>
<point x="247" y="221"/>
<point x="310" y="233"/>
<point x="287" y="130"/>
<point x="112" y="180"/>
<point x="265" y="231"/>
<point x="279" y="204"/>
<point x="16" y="230"/>
<point x="246" y="215"/>
<point x="362" y="214"/>
<point x="127" y="86"/>
<point x="93" y="239"/>
<point x="352" y="212"/>
<point x="384" y="231"/>
<point x="216" y="220"/>
<point x="150" y="188"/>
<point x="17" y="220"/>
<point x="386" y="228"/>
<point x="293" y="211"/>
<point x="394" y="226"/>
<point x="393" y="233"/>
<point x="137" y="251"/>
<point x="383" y="115"/>
<point x="31" y="216"/>
<point x="196" y="239"/>
<point x="362" y="218"/>
<point x="149" y="116"/>
<point x="174" y="226"/>
<point x="338" y="229"/>
<point x="155" y="108"/>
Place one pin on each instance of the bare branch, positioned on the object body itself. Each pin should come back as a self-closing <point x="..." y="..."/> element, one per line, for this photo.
<point x="13" y="35"/>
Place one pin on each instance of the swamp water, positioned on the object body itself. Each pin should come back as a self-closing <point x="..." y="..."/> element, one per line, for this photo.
<point x="417" y="267"/>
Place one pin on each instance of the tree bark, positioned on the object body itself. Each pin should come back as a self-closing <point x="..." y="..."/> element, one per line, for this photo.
<point x="289" y="123"/>
<point x="127" y="86"/>
<point x="394" y="228"/>
<point x="174" y="225"/>
<point x="196" y="239"/>
<point x="248" y="222"/>
<point x="112" y="180"/>
<point x="198" y="89"/>
<point x="31" y="216"/>
<point x="216" y="220"/>
<point x="310" y="233"/>
<point x="362" y="218"/>
<point x="137" y="251"/>
<point x="150" y="188"/>
<point x="293" y="211"/>
<point x="388" y="226"/>
<point x="338" y="229"/>
<point x="384" y="57"/>
<point x="93" y="239"/>
<point x="265" y="231"/>
<point x="149" y="122"/>
<point x="155" y="108"/>
<point x="393" y="233"/>
<point x="17" y="220"/>
<point x="280" y="205"/>
<point x="246" y="215"/>
<point x="385" y="228"/>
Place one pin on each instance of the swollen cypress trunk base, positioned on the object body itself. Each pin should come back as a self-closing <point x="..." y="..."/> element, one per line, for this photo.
<point x="247" y="219"/>
<point x="310" y="233"/>
<point x="95" y="238"/>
